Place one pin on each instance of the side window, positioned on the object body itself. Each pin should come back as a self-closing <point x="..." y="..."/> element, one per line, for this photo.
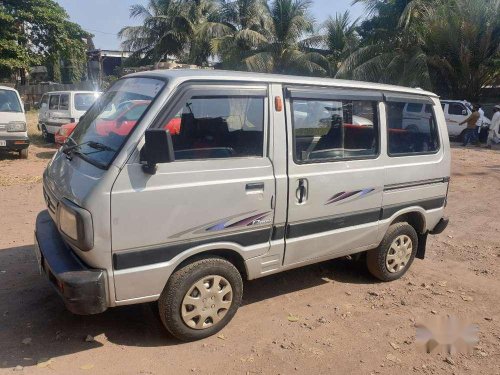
<point x="456" y="109"/>
<point x="413" y="134"/>
<point x="334" y="129"/>
<point x="54" y="102"/>
<point x="211" y="127"/>
<point x="64" y="102"/>
<point x="414" y="107"/>
<point x="45" y="101"/>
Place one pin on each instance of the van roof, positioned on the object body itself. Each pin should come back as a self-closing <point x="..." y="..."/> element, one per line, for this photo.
<point x="182" y="75"/>
<point x="72" y="91"/>
<point x="7" y="88"/>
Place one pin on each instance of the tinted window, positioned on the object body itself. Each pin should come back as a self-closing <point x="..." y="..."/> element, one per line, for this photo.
<point x="64" y="102"/>
<point x="327" y="129"/>
<point x="414" y="107"/>
<point x="456" y="109"/>
<point x="9" y="102"/>
<point x="209" y="127"/>
<point x="84" y="101"/>
<point x="54" y="102"/>
<point x="410" y="134"/>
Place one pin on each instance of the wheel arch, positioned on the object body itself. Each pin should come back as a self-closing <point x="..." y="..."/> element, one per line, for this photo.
<point x="415" y="218"/>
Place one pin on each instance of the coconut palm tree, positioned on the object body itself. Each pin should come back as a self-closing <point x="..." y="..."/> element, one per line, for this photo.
<point x="166" y="29"/>
<point x="284" y="50"/>
<point x="340" y="39"/>
<point x="241" y="26"/>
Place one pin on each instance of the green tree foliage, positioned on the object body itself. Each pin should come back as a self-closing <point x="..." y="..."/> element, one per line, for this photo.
<point x="36" y="32"/>
<point x="449" y="46"/>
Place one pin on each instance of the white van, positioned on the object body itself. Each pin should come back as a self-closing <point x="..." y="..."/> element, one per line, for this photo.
<point x="456" y="111"/>
<point x="13" y="129"/>
<point x="62" y="107"/>
<point x="237" y="191"/>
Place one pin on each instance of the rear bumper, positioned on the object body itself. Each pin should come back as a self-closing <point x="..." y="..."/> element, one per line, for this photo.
<point x="82" y="289"/>
<point x="440" y="226"/>
<point x="14" y="142"/>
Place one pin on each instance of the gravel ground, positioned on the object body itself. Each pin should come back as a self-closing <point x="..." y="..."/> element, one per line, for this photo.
<point x="326" y="318"/>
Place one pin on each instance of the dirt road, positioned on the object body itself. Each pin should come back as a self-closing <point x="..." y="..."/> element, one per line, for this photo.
<point x="327" y="318"/>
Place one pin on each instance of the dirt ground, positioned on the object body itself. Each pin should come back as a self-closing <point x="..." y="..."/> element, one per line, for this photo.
<point x="326" y="318"/>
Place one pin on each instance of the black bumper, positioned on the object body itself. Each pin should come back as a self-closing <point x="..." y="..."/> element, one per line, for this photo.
<point x="440" y="226"/>
<point x="15" y="143"/>
<point x="82" y="289"/>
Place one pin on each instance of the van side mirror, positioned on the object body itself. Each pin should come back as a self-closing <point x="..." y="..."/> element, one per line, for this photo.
<point x="158" y="148"/>
<point x="464" y="112"/>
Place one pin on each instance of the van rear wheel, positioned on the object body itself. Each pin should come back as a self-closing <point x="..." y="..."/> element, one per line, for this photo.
<point x="395" y="253"/>
<point x="200" y="298"/>
<point x="23" y="154"/>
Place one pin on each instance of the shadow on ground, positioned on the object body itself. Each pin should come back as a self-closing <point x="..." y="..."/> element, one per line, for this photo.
<point x="30" y="308"/>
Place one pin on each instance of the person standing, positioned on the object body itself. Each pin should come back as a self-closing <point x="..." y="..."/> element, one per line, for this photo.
<point x="471" y="131"/>
<point x="494" y="133"/>
<point x="479" y="123"/>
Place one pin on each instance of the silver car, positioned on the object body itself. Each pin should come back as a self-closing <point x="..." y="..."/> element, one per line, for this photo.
<point x="225" y="177"/>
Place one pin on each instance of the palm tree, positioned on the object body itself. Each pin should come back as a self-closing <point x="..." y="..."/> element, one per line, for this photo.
<point x="463" y="53"/>
<point x="165" y="31"/>
<point x="340" y="39"/>
<point x="241" y="26"/>
<point x="285" y="50"/>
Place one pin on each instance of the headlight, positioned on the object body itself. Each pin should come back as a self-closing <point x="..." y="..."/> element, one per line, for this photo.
<point x="75" y="223"/>
<point x="68" y="222"/>
<point x="16" y="126"/>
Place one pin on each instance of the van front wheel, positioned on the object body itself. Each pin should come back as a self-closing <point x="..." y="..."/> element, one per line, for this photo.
<point x="395" y="253"/>
<point x="200" y="298"/>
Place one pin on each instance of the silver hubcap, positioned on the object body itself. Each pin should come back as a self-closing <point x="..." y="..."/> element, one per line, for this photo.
<point x="206" y="302"/>
<point x="399" y="253"/>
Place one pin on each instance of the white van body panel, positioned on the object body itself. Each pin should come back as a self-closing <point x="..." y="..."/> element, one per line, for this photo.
<point x="138" y="217"/>
<point x="7" y="116"/>
<point x="52" y="118"/>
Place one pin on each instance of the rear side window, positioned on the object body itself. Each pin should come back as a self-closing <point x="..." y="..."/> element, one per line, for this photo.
<point x="64" y="102"/>
<point x="414" y="133"/>
<point x="213" y="127"/>
<point x="54" y="102"/>
<point x="456" y="109"/>
<point x="329" y="130"/>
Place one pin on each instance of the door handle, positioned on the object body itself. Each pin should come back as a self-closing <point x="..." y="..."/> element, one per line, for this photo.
<point x="301" y="192"/>
<point x="254" y="187"/>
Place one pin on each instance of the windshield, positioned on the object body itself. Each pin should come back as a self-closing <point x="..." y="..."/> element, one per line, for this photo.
<point x="84" y="101"/>
<point x="9" y="101"/>
<point x="103" y="124"/>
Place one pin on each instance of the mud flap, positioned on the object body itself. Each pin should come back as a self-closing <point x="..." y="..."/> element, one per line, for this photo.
<point x="422" y="243"/>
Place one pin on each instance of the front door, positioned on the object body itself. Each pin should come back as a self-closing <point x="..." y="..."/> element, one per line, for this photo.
<point x="335" y="172"/>
<point x="220" y="188"/>
<point x="455" y="113"/>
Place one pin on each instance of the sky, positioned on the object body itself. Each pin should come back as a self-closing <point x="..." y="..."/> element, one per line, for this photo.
<point x="104" y="18"/>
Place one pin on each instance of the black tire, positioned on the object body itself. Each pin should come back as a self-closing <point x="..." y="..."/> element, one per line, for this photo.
<point x="181" y="281"/>
<point x="46" y="135"/>
<point x="376" y="258"/>
<point x="23" y="154"/>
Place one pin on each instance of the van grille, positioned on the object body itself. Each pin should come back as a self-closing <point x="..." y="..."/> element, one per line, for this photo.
<point x="51" y="204"/>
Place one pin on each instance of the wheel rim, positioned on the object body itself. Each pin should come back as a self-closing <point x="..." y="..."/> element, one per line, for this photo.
<point x="399" y="253"/>
<point x="45" y="133"/>
<point x="207" y="302"/>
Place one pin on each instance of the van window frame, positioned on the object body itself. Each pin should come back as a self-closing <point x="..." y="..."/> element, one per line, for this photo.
<point x="212" y="88"/>
<point x="332" y="93"/>
<point x="395" y="98"/>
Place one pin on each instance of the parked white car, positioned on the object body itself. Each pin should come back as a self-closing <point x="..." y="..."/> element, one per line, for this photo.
<point x="62" y="107"/>
<point x="13" y="130"/>
<point x="456" y="111"/>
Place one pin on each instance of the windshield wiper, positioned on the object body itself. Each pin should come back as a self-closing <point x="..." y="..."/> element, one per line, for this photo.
<point x="100" y="146"/>
<point x="95" y="145"/>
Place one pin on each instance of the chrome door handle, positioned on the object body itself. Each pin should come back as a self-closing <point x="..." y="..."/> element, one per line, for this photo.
<point x="254" y="187"/>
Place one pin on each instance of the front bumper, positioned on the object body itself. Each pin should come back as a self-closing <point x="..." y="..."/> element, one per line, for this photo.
<point x="82" y="289"/>
<point x="14" y="143"/>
